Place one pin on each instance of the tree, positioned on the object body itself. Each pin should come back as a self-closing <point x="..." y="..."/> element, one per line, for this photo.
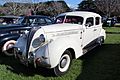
<point x="86" y="5"/>
<point x="49" y="8"/>
<point x="108" y="7"/>
<point x="53" y="8"/>
<point x="15" y="5"/>
<point x="35" y="5"/>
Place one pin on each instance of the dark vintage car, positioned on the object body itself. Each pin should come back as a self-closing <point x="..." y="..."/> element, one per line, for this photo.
<point x="5" y="20"/>
<point x="10" y="33"/>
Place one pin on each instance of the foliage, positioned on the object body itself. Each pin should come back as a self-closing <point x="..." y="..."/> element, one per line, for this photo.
<point x="53" y="8"/>
<point x="50" y="8"/>
<point x="103" y="7"/>
<point x="108" y="7"/>
<point x="86" y="5"/>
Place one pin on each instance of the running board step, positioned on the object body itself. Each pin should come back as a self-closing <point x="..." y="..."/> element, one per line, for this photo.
<point x="85" y="50"/>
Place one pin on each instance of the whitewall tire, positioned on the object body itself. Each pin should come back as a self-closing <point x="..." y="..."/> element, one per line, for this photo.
<point x="9" y="44"/>
<point x="64" y="64"/>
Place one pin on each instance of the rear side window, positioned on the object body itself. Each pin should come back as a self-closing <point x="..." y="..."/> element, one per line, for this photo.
<point x="90" y="21"/>
<point x="97" y="20"/>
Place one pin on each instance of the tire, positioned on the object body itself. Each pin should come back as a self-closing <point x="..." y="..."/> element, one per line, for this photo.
<point x="64" y="64"/>
<point x="6" y="49"/>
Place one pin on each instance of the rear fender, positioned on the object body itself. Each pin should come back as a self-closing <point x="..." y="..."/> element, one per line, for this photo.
<point x="102" y="33"/>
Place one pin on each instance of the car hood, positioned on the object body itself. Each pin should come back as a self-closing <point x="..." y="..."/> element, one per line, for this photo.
<point x="61" y="27"/>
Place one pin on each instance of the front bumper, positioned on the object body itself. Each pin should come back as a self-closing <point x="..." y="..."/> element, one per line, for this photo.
<point x="31" y="60"/>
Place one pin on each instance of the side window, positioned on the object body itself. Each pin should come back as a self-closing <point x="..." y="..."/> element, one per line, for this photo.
<point x="41" y="21"/>
<point x="97" y="20"/>
<point x="48" y="20"/>
<point x="90" y="21"/>
<point x="38" y="21"/>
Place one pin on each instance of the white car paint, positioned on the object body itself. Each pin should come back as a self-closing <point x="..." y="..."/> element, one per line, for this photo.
<point x="60" y="37"/>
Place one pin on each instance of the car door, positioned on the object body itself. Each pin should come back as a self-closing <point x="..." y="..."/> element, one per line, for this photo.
<point x="88" y="32"/>
<point x="97" y="27"/>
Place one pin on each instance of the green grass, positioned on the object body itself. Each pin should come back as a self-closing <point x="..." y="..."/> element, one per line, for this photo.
<point x="102" y="63"/>
<point x="112" y="29"/>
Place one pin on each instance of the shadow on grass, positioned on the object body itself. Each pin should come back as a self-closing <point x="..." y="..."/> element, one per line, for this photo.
<point x="102" y="63"/>
<point x="113" y="32"/>
<point x="16" y="67"/>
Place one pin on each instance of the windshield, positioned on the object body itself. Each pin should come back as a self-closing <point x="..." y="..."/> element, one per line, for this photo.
<point x="69" y="19"/>
<point x="31" y="21"/>
<point x="19" y="20"/>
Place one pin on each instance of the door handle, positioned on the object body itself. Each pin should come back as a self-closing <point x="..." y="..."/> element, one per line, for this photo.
<point x="95" y="29"/>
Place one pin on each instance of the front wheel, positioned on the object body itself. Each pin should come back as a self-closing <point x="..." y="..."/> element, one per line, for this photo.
<point x="7" y="46"/>
<point x="64" y="64"/>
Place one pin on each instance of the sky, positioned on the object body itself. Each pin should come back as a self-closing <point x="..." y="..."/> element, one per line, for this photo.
<point x="70" y="3"/>
<point x="73" y="3"/>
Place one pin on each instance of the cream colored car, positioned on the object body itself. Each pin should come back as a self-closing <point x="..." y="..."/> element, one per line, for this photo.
<point x="54" y="46"/>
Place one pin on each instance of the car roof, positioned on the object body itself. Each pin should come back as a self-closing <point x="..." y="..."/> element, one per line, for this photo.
<point x="33" y="16"/>
<point x="81" y="13"/>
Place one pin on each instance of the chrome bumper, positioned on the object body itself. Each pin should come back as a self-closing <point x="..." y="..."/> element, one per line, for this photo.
<point x="26" y="61"/>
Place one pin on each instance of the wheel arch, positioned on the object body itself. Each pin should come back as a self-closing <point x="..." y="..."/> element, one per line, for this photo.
<point x="72" y="52"/>
<point x="54" y="64"/>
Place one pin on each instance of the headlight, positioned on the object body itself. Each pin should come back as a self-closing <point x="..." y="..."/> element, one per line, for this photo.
<point x="38" y="41"/>
<point x="24" y="33"/>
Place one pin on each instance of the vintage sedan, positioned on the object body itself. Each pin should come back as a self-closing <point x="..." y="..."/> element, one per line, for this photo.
<point x="54" y="46"/>
<point x="9" y="33"/>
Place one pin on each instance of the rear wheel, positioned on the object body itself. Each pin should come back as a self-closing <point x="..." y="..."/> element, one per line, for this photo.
<point x="7" y="47"/>
<point x="64" y="64"/>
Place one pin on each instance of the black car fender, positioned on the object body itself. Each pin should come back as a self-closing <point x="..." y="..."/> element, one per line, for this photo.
<point x="8" y="37"/>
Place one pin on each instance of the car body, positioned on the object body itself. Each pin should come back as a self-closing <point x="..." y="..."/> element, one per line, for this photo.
<point x="54" y="46"/>
<point x="10" y="33"/>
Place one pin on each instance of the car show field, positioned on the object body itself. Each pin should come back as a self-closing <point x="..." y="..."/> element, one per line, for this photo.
<point x="101" y="63"/>
<point x="59" y="40"/>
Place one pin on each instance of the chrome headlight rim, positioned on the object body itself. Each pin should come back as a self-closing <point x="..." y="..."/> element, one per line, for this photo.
<point x="38" y="41"/>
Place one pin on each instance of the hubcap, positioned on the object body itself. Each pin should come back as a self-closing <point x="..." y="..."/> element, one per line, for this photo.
<point x="63" y="63"/>
<point x="9" y="46"/>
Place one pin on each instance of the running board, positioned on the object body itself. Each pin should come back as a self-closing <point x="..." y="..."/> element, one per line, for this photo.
<point x="85" y="50"/>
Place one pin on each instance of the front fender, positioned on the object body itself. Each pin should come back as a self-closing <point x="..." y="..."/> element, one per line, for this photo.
<point x="58" y="46"/>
